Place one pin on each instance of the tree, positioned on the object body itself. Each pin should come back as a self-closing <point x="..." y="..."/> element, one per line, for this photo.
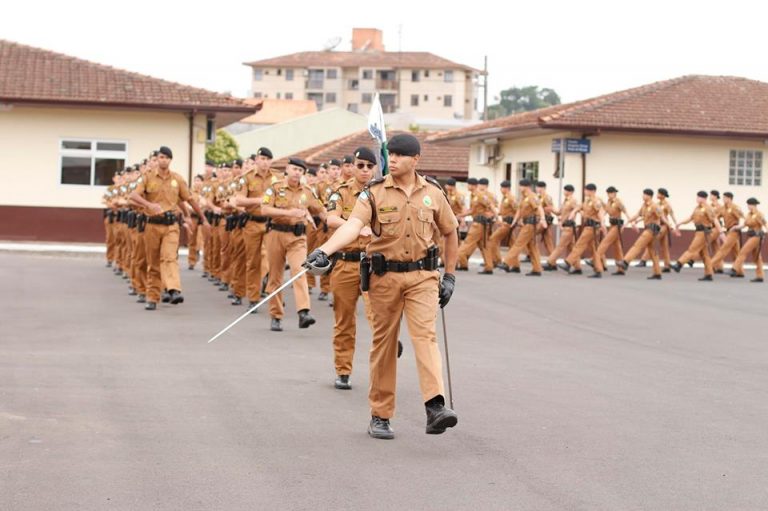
<point x="224" y="149"/>
<point x="523" y="99"/>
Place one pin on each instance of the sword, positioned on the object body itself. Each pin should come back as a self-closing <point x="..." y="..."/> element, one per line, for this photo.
<point x="447" y="360"/>
<point x="270" y="295"/>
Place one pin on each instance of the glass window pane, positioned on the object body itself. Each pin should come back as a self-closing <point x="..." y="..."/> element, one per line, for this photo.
<point x="741" y="172"/>
<point x="742" y="154"/>
<point x="731" y="181"/>
<point x="740" y="181"/>
<point x="758" y="182"/>
<point x="733" y="154"/>
<point x="105" y="169"/>
<point x="75" y="171"/>
<point x="748" y="181"/>
<point x="110" y="146"/>
<point x="71" y="144"/>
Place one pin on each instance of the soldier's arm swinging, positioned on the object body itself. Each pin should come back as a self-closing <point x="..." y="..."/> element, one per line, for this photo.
<point x="451" y="250"/>
<point x="150" y="206"/>
<point x="345" y="235"/>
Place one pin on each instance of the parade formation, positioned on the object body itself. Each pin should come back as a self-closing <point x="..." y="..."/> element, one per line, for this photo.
<point x="384" y="239"/>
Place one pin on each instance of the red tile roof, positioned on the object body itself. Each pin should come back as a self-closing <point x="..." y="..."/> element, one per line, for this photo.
<point x="443" y="160"/>
<point x="33" y="75"/>
<point x="703" y="105"/>
<point x="374" y="59"/>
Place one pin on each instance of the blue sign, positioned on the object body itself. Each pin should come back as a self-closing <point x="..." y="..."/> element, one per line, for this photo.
<point x="573" y="145"/>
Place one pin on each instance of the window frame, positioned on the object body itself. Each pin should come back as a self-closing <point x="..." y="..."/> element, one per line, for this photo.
<point x="289" y="74"/>
<point x="258" y="74"/>
<point x="369" y="72"/>
<point x="446" y="75"/>
<point x="93" y="153"/>
<point x="745" y="167"/>
<point x="415" y="99"/>
<point x="330" y="97"/>
<point x="448" y="100"/>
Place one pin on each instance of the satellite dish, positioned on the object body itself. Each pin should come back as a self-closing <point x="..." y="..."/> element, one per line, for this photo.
<point x="331" y="43"/>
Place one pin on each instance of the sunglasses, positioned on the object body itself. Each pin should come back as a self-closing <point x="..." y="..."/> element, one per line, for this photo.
<point x="362" y="166"/>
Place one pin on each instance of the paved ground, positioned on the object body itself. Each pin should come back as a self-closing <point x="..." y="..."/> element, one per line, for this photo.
<point x="573" y="394"/>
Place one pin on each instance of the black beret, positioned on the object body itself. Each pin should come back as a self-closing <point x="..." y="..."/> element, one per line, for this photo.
<point x="591" y="187"/>
<point x="324" y="166"/>
<point x="752" y="201"/>
<point x="237" y="162"/>
<point x="525" y="182"/>
<point x="298" y="162"/>
<point x="210" y="163"/>
<point x="702" y="194"/>
<point x="348" y="159"/>
<point x="312" y="172"/>
<point x="263" y="151"/>
<point x="541" y="184"/>
<point x="472" y="181"/>
<point x="506" y="184"/>
<point x="335" y="161"/>
<point x="715" y="193"/>
<point x="482" y="181"/>
<point x="728" y="194"/>
<point x="166" y="151"/>
<point x="611" y="189"/>
<point x="664" y="192"/>
<point x="404" y="144"/>
<point x="136" y="166"/>
<point x="154" y="153"/>
<point x="450" y="181"/>
<point x="126" y="169"/>
<point x="363" y="153"/>
<point x="648" y="191"/>
<point x="225" y="165"/>
<point x="568" y="188"/>
<point x="144" y="161"/>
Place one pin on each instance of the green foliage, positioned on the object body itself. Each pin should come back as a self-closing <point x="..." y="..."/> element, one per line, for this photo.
<point x="224" y="149"/>
<point x="523" y="99"/>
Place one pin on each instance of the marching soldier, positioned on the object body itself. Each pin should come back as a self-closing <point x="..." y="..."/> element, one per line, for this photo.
<point x="237" y="242"/>
<point x="347" y="169"/>
<point x="614" y="208"/>
<point x="345" y="276"/>
<point x="592" y="220"/>
<point x="193" y="248"/>
<point x="483" y="210"/>
<point x="530" y="212"/>
<point x="713" y="237"/>
<point x="139" y="254"/>
<point x="160" y="195"/>
<point x="206" y="198"/>
<point x="756" y="224"/>
<point x="567" y="228"/>
<point x="665" y="235"/>
<point x="653" y="218"/>
<point x="704" y="218"/>
<point x="290" y="204"/>
<point x="503" y="233"/>
<point x="731" y="215"/>
<point x="109" y="220"/>
<point x="403" y="210"/>
<point x="548" y="205"/>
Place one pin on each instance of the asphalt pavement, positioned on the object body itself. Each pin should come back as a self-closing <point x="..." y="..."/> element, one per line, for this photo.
<point x="572" y="394"/>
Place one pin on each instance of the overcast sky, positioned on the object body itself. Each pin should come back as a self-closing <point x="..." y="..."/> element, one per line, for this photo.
<point x="580" y="49"/>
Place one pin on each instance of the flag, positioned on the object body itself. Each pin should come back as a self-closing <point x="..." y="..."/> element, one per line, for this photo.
<point x="379" y="133"/>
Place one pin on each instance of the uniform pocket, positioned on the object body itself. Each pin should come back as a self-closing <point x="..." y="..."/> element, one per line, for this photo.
<point x="425" y="226"/>
<point x="391" y="224"/>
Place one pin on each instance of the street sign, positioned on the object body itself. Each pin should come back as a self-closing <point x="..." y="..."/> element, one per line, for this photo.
<point x="573" y="145"/>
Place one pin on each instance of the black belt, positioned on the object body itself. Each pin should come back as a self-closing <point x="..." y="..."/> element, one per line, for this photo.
<point x="752" y="234"/>
<point x="349" y="256"/>
<point x="531" y="220"/>
<point x="401" y="267"/>
<point x="702" y="228"/>
<point x="166" y="219"/>
<point x="617" y="221"/>
<point x="654" y="228"/>
<point x="258" y="218"/>
<point x="215" y="220"/>
<point x="297" y="229"/>
<point x="591" y="223"/>
<point x="569" y="223"/>
<point x="482" y="220"/>
<point x="508" y="219"/>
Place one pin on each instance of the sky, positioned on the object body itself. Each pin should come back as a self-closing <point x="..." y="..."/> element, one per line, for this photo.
<point x="579" y="49"/>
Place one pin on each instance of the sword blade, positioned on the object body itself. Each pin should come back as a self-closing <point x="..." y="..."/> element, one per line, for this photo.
<point x="265" y="300"/>
<point x="447" y="360"/>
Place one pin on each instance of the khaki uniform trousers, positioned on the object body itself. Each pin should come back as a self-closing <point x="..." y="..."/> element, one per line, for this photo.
<point x="215" y="251"/>
<point x="313" y="241"/>
<point x="731" y="245"/>
<point x="751" y="247"/>
<point x="477" y="237"/>
<point x="162" y="246"/>
<point x="254" y="238"/>
<point x="698" y="248"/>
<point x="224" y="251"/>
<point x="663" y="252"/>
<point x="207" y="252"/>
<point x="414" y="294"/>
<point x="714" y="247"/>
<point x="502" y="233"/>
<point x="586" y="241"/>
<point x="642" y="244"/>
<point x="110" y="240"/>
<point x="564" y="246"/>
<point x="612" y="240"/>
<point x="546" y="238"/>
<point x="282" y="247"/>
<point x="192" y="245"/>
<point x="139" y="263"/>
<point x="237" y="261"/>
<point x="345" y="281"/>
<point x="526" y="240"/>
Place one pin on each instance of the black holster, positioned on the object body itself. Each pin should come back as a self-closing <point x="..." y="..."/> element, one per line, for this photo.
<point x="365" y="274"/>
<point x="141" y="223"/>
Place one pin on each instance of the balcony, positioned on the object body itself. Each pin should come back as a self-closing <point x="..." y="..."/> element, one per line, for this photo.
<point x="314" y="84"/>
<point x="386" y="84"/>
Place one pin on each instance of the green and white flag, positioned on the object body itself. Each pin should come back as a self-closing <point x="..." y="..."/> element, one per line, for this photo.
<point x="379" y="133"/>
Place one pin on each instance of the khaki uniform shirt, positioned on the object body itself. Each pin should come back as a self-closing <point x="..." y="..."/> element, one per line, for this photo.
<point x="282" y="196"/>
<point x="591" y="208"/>
<point x="341" y="203"/>
<point x="481" y="203"/>
<point x="508" y="205"/>
<point x="167" y="191"/>
<point x="529" y="206"/>
<point x="614" y="207"/>
<point x="456" y="201"/>
<point x="256" y="185"/>
<point x="652" y="213"/>
<point x="704" y="215"/>
<point x="731" y="215"/>
<point x="754" y="221"/>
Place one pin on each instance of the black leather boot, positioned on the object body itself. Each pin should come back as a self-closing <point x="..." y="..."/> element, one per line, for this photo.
<point x="380" y="428"/>
<point x="439" y="418"/>
<point x="305" y="320"/>
<point x="276" y="326"/>
<point x="342" y="382"/>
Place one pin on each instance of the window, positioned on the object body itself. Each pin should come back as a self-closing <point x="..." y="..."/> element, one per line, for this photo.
<point x="746" y="168"/>
<point x="352" y="107"/>
<point x="367" y="74"/>
<point x="210" y="130"/>
<point x="289" y="75"/>
<point x="257" y="95"/>
<point x="353" y="84"/>
<point x="426" y="98"/>
<point x="317" y="97"/>
<point x="414" y="100"/>
<point x="448" y="100"/>
<point x="331" y="74"/>
<point x="279" y="72"/>
<point x="91" y="162"/>
<point x="528" y="170"/>
<point x="448" y="76"/>
<point x="367" y="98"/>
<point x="258" y="74"/>
<point x="330" y="97"/>
<point x="426" y="73"/>
<point x="316" y="77"/>
<point x="415" y="76"/>
<point x="289" y="95"/>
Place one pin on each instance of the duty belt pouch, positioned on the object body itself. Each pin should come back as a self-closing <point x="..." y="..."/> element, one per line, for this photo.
<point x="142" y="223"/>
<point x="243" y="220"/>
<point x="378" y="263"/>
<point x="299" y="229"/>
<point x="550" y="219"/>
<point x="365" y="273"/>
<point x="430" y="262"/>
<point x="655" y="229"/>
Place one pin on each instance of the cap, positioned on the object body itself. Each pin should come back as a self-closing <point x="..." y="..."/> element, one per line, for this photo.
<point x="541" y="184"/>
<point x="166" y="151"/>
<point x="648" y="192"/>
<point x="591" y="187"/>
<point x="611" y="189"/>
<point x="312" y="172"/>
<point x="363" y="153"/>
<point x="506" y="184"/>
<point x="450" y="181"/>
<point x="702" y="194"/>
<point x="568" y="188"/>
<point x="483" y="181"/>
<point x="324" y="166"/>
<point x="664" y="192"/>
<point x="752" y="201"/>
<point x="154" y="153"/>
<point x="728" y="194"/>
<point x="297" y="162"/>
<point x="225" y="165"/>
<point x="404" y="144"/>
<point x="237" y="162"/>
<point x="335" y="161"/>
<point x="472" y="181"/>
<point x="263" y="151"/>
<point x="348" y="159"/>
<point x="715" y="193"/>
<point x="525" y="182"/>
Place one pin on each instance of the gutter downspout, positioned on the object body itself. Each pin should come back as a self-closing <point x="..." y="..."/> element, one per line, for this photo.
<point x="191" y="142"/>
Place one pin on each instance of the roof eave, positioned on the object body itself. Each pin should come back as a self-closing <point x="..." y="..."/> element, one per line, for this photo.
<point x="657" y="130"/>
<point x="247" y="110"/>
